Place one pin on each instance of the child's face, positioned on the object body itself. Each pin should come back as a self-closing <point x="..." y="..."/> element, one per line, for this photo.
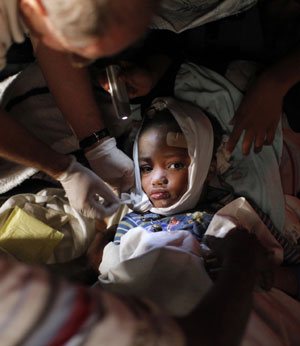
<point x="164" y="169"/>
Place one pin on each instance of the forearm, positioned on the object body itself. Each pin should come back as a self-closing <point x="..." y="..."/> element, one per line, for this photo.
<point x="284" y="74"/>
<point x="72" y="90"/>
<point x="19" y="145"/>
<point x="222" y="315"/>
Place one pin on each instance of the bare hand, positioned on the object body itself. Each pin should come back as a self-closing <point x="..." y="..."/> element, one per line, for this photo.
<point x="241" y="249"/>
<point x="258" y="115"/>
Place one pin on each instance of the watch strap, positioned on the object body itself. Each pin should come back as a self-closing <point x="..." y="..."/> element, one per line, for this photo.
<point x="93" y="138"/>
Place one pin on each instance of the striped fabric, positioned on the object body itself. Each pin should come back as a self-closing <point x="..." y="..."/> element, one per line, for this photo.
<point x="37" y="309"/>
<point x="291" y="251"/>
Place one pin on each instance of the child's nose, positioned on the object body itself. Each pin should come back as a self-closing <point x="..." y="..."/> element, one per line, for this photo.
<point x="159" y="178"/>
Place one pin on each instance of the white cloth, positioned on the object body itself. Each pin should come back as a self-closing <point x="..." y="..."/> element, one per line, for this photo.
<point x="290" y="162"/>
<point x="180" y="15"/>
<point x="164" y="266"/>
<point x="198" y="133"/>
<point x="12" y="28"/>
<point x="240" y="213"/>
<point x="52" y="207"/>
<point x="256" y="176"/>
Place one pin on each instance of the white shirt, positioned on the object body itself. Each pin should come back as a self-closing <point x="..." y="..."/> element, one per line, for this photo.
<point x="12" y="27"/>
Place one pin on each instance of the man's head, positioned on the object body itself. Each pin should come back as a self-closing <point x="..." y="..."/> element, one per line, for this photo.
<point x="90" y="28"/>
<point x="163" y="160"/>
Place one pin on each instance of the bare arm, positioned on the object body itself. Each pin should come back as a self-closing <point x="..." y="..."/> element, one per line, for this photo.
<point x="19" y="145"/>
<point x="73" y="93"/>
<point x="72" y="90"/>
<point x="221" y="316"/>
<point x="260" y="111"/>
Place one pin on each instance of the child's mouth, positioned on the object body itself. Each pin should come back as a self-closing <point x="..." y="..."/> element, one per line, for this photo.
<point x="160" y="195"/>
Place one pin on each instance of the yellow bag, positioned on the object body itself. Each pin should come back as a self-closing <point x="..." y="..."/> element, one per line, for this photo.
<point x="27" y="238"/>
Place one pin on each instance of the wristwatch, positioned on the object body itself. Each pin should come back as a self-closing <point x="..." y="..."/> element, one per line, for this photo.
<point x="93" y="138"/>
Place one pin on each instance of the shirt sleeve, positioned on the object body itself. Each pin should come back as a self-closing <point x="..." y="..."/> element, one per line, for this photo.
<point x="128" y="221"/>
<point x="38" y="309"/>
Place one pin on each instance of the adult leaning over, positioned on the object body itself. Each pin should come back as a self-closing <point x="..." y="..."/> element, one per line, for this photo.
<point x="63" y="32"/>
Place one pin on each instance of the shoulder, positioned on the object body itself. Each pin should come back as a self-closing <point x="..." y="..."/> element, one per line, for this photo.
<point x="130" y="218"/>
<point x="129" y="221"/>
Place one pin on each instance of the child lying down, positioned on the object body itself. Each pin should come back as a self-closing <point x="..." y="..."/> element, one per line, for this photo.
<point x="158" y="249"/>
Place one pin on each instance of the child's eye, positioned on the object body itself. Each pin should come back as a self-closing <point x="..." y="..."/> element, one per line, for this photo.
<point x="177" y="165"/>
<point x="145" y="169"/>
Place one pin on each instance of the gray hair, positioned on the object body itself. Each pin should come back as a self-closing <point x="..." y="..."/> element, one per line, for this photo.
<point x="81" y="21"/>
<point x="78" y="21"/>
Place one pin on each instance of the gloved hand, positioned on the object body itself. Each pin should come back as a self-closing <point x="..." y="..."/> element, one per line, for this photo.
<point x="84" y="188"/>
<point x="112" y="165"/>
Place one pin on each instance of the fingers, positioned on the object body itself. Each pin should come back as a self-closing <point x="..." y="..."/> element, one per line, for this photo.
<point x="259" y="142"/>
<point x="239" y="249"/>
<point x="257" y="139"/>
<point x="234" y="137"/>
<point x="106" y="193"/>
<point x="212" y="242"/>
<point x="97" y="210"/>
<point x="238" y="123"/>
<point x="101" y="202"/>
<point x="107" y="210"/>
<point x="247" y="142"/>
<point x="270" y="136"/>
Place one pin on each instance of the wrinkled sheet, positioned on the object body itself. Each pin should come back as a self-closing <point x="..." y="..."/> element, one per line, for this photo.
<point x="52" y="207"/>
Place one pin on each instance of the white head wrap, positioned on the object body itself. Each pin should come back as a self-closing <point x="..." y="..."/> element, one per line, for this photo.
<point x="198" y="133"/>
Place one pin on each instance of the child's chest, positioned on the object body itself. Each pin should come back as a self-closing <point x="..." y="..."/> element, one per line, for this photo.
<point x="194" y="222"/>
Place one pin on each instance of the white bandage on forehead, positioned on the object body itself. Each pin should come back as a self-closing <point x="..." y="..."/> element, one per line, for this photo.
<point x="176" y="139"/>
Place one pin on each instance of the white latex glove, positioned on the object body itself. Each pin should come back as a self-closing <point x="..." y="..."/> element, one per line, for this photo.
<point x="112" y="165"/>
<point x="84" y="188"/>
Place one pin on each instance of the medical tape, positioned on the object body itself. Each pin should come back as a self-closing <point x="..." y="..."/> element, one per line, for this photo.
<point x="176" y="139"/>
